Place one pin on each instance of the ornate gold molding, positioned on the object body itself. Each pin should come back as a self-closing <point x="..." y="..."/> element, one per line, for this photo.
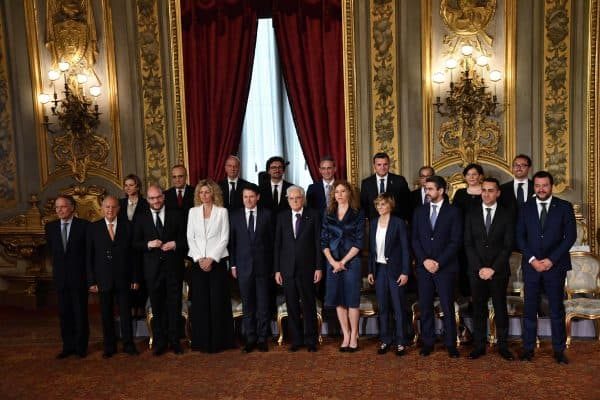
<point x="592" y="188"/>
<point x="384" y="69"/>
<point x="8" y="165"/>
<point x="350" y="111"/>
<point x="556" y="97"/>
<point x="155" y="123"/>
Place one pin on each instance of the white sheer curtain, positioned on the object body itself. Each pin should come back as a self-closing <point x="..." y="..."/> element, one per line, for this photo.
<point x="268" y="125"/>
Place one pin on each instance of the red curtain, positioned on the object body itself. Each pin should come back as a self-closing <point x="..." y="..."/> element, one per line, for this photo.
<point x="309" y="40"/>
<point x="219" y="38"/>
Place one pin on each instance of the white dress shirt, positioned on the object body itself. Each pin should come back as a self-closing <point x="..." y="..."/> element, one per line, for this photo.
<point x="525" y="183"/>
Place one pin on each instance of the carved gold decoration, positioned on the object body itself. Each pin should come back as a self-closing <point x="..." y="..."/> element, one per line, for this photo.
<point x="8" y="166"/>
<point x="592" y="188"/>
<point x="556" y="152"/>
<point x="88" y="202"/>
<point x="467" y="19"/>
<point x="351" y="123"/>
<point x="384" y="81"/>
<point x="155" y="132"/>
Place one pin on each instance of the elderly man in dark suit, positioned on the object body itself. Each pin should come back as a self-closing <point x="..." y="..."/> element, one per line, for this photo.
<point x="384" y="181"/>
<point x="111" y="273"/>
<point x="233" y="185"/>
<point x="318" y="193"/>
<point x="489" y="240"/>
<point x="160" y="234"/>
<point x="546" y="231"/>
<point x="298" y="265"/>
<point x="65" y="240"/>
<point x="251" y="258"/>
<point x="515" y="193"/>
<point x="436" y="238"/>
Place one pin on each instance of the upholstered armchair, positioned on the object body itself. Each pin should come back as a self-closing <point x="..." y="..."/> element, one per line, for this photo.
<point x="185" y="309"/>
<point x="368" y="302"/>
<point x="282" y="314"/>
<point x="583" y="288"/>
<point x="437" y="310"/>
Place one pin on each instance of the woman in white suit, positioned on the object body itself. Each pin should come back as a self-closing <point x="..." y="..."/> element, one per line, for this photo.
<point x="208" y="235"/>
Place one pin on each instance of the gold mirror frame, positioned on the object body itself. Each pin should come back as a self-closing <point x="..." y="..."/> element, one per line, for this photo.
<point x="178" y="87"/>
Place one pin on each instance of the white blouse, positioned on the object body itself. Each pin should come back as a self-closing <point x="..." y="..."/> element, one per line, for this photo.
<point x="208" y="237"/>
<point x="380" y="244"/>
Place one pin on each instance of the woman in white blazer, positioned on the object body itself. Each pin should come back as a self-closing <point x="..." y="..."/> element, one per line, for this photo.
<point x="208" y="235"/>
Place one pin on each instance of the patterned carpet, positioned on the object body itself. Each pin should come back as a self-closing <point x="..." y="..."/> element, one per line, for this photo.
<point x="29" y="370"/>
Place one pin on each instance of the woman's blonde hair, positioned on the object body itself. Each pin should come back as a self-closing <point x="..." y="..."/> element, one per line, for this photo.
<point x="352" y="200"/>
<point x="217" y="194"/>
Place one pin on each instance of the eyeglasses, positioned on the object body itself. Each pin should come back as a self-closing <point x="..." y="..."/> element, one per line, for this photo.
<point x="520" y="165"/>
<point x="275" y="167"/>
<point x="178" y="176"/>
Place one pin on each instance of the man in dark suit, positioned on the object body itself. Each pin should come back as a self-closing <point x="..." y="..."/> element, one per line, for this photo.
<point x="110" y="272"/>
<point x="546" y="231"/>
<point x="160" y="234"/>
<point x="515" y="193"/>
<point x="232" y="186"/>
<point x="298" y="265"/>
<point x="436" y="238"/>
<point x="65" y="239"/>
<point x="318" y="193"/>
<point x="418" y="197"/>
<point x="181" y="195"/>
<point x="489" y="240"/>
<point x="251" y="257"/>
<point x="384" y="181"/>
<point x="272" y="191"/>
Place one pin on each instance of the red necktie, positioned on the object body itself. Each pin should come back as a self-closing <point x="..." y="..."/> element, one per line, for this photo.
<point x="179" y="198"/>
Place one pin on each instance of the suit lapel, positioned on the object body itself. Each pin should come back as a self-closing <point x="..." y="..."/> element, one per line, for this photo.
<point x="388" y="236"/>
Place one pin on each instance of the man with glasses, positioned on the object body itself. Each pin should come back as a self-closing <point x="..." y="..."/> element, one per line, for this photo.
<point x="418" y="197"/>
<point x="514" y="194"/>
<point x="273" y="189"/>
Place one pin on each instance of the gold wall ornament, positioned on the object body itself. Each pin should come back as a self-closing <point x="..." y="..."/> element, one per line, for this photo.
<point x="8" y="165"/>
<point x="350" y="106"/>
<point x="155" y="131"/>
<point x="468" y="19"/>
<point x="556" y="154"/>
<point x="592" y="188"/>
<point x="384" y="81"/>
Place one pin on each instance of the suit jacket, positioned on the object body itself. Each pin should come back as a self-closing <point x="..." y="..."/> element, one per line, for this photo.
<point x="508" y="198"/>
<point x="315" y="196"/>
<point x="188" y="200"/>
<point x="554" y="241"/>
<point x="251" y="257"/>
<point x="173" y="230"/>
<point x="208" y="238"/>
<point x="493" y="249"/>
<point x="396" y="252"/>
<point x="110" y="263"/>
<point x="141" y="207"/>
<point x="300" y="255"/>
<point x="441" y="243"/>
<point x="237" y="196"/>
<point x="68" y="267"/>
<point x="396" y="186"/>
<point x="266" y="197"/>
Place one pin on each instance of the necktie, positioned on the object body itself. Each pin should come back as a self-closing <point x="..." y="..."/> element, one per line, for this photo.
<point x="231" y="192"/>
<point x="297" y="224"/>
<point x="433" y="215"/>
<point x="520" y="194"/>
<point x="64" y="235"/>
<point x="275" y="196"/>
<point x="327" y="193"/>
<point x="251" y="225"/>
<point x="179" y="198"/>
<point x="381" y="186"/>
<point x="111" y="231"/>
<point x="159" y="225"/>
<point x="543" y="215"/>
<point x="488" y="219"/>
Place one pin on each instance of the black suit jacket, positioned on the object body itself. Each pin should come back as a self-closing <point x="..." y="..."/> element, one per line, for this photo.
<point x="237" y="196"/>
<point x="396" y="186"/>
<point x="174" y="230"/>
<point x="251" y="257"/>
<point x="188" y="200"/>
<point x="315" y="196"/>
<point x="508" y="198"/>
<point x="110" y="263"/>
<point x="141" y="207"/>
<point x="300" y="255"/>
<point x="68" y="267"/>
<point x="266" y="197"/>
<point x="493" y="249"/>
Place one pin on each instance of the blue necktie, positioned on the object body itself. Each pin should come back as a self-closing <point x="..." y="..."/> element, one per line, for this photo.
<point x="251" y="231"/>
<point x="488" y="219"/>
<point x="520" y="194"/>
<point x="381" y="186"/>
<point x="298" y="218"/>
<point x="434" y="215"/>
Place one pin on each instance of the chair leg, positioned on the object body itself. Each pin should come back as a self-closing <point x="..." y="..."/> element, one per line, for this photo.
<point x="280" y="328"/>
<point x="187" y="328"/>
<point x="415" y="323"/>
<point x="320" y="327"/>
<point x="149" y="324"/>
<point x="457" y="319"/>
<point x="492" y="322"/>
<point x="568" y="321"/>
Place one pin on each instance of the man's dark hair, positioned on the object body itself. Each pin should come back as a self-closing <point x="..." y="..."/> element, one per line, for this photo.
<point x="68" y="198"/>
<point x="252" y="187"/>
<point x="381" y="155"/>
<point x="525" y="157"/>
<point x="273" y="159"/>
<point x="492" y="180"/>
<point x="438" y="181"/>
<point x="544" y="174"/>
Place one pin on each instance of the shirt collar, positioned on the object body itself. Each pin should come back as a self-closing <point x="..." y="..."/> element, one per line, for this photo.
<point x="250" y="209"/>
<point x="493" y="207"/>
<point x="66" y="221"/>
<point x="438" y="204"/>
<point x="547" y="201"/>
<point x="298" y="212"/>
<point x="114" y="222"/>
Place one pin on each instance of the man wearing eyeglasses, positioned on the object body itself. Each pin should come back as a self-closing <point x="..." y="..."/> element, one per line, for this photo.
<point x="273" y="190"/>
<point x="418" y="197"/>
<point x="515" y="193"/>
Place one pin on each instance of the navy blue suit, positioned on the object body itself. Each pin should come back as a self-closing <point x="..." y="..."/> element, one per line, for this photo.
<point x="440" y="244"/>
<point x="554" y="242"/>
<point x="315" y="196"/>
<point x="253" y="259"/>
<point x="397" y="257"/>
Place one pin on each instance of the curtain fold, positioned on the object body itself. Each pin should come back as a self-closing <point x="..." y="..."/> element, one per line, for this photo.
<point x="218" y="40"/>
<point x="309" y="40"/>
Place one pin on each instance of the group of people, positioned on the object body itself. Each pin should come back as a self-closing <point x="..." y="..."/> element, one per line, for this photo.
<point x="275" y="233"/>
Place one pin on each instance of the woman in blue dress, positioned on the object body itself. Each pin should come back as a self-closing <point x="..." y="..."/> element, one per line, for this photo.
<point x="341" y="241"/>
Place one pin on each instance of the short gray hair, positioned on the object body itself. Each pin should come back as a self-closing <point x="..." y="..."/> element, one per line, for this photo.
<point x="294" y="187"/>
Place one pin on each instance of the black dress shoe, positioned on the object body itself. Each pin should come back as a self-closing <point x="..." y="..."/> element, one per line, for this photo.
<point x="560" y="357"/>
<point x="159" y="350"/>
<point x="311" y="348"/>
<point x="263" y="347"/>
<point x="343" y="349"/>
<point x="400" y="350"/>
<point x="383" y="348"/>
<point x="453" y="352"/>
<point x="506" y="354"/>
<point x="527" y="355"/>
<point x="352" y="349"/>
<point x="177" y="349"/>
<point x="108" y="354"/>
<point x="426" y="350"/>
<point x="131" y="350"/>
<point x="294" y="348"/>
<point x="476" y="353"/>
<point x="82" y="354"/>
<point x="249" y="347"/>
<point x="63" y="354"/>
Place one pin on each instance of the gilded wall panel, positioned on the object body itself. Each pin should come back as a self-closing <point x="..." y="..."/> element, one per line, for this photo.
<point x="556" y="153"/>
<point x="8" y="167"/>
<point x="384" y="81"/>
<point x="80" y="33"/>
<point x="155" y="123"/>
<point x="350" y="106"/>
<point x="592" y="188"/>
